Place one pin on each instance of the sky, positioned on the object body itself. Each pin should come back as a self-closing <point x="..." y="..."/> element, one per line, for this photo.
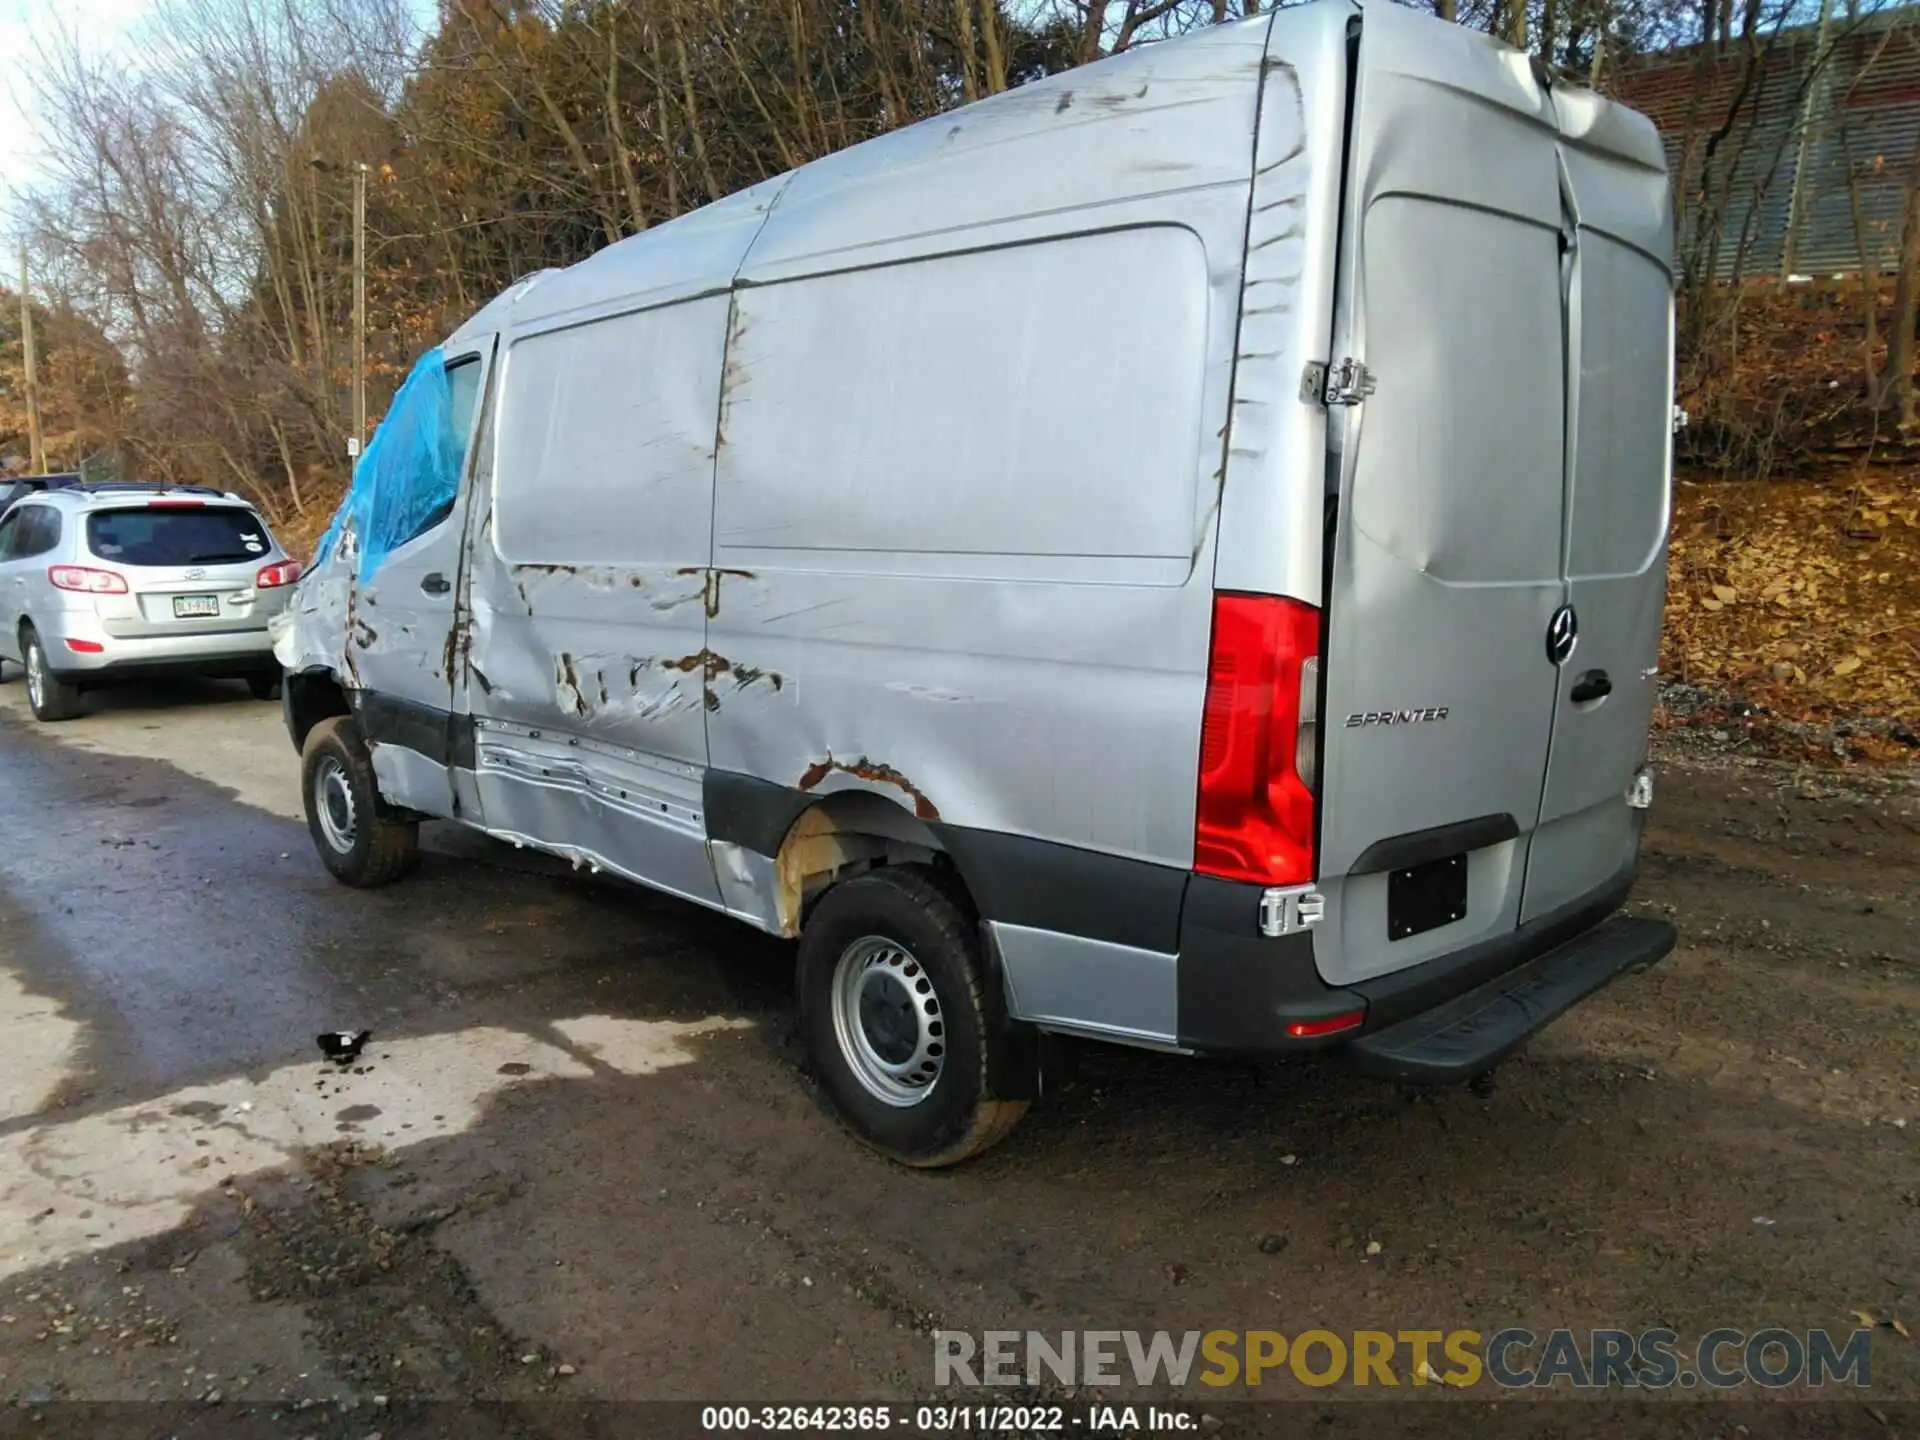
<point x="22" y="22"/>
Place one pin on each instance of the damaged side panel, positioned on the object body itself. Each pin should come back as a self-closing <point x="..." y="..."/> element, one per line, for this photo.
<point x="967" y="590"/>
<point x="1274" y="475"/>
<point x="586" y="667"/>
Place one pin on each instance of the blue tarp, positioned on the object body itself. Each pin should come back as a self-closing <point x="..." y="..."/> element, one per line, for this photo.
<point x="410" y="470"/>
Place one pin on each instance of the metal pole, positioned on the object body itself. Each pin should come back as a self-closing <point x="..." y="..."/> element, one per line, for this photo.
<point x="36" y="451"/>
<point x="359" y="307"/>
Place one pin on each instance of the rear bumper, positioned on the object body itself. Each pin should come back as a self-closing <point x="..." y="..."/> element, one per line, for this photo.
<point x="226" y="652"/>
<point x="1471" y="1033"/>
<point x="1450" y="1018"/>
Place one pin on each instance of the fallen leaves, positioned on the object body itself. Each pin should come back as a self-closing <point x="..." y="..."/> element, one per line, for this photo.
<point x="1867" y="1320"/>
<point x="1775" y="597"/>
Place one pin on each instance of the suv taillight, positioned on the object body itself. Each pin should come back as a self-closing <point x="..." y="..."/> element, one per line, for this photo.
<point x="1255" y="817"/>
<point x="273" y="576"/>
<point x="80" y="577"/>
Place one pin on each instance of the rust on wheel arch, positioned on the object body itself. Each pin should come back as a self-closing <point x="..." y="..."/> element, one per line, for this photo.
<point x="875" y="773"/>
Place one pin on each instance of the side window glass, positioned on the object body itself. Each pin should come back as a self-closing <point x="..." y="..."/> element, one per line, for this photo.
<point x="408" y="479"/>
<point x="9" y="528"/>
<point x="38" y="532"/>
<point x="463" y="392"/>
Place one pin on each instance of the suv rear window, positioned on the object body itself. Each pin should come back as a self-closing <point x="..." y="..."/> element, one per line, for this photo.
<point x="155" y="535"/>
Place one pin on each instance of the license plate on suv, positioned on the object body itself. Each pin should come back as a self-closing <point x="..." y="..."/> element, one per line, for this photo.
<point x="195" y="607"/>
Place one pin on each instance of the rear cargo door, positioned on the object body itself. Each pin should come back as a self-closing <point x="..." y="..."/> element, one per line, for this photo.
<point x="1620" y="388"/>
<point x="1445" y="559"/>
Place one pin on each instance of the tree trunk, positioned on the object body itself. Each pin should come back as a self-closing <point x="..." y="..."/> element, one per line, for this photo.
<point x="963" y="38"/>
<point x="666" y="137"/>
<point x="1896" y="377"/>
<point x="695" y="133"/>
<point x="1091" y="26"/>
<point x="1869" y="271"/>
<point x="996" y="59"/>
<point x="617" y="133"/>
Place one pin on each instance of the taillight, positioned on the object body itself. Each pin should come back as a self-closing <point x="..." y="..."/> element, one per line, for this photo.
<point x="85" y="647"/>
<point x="1332" y="1025"/>
<point x="285" y="573"/>
<point x="1255" y="816"/>
<point x="176" y="505"/>
<point x="80" y="577"/>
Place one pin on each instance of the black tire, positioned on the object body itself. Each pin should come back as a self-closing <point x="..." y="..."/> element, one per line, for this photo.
<point x="264" y="687"/>
<point x="986" y="1069"/>
<point x="360" y="846"/>
<point x="50" y="698"/>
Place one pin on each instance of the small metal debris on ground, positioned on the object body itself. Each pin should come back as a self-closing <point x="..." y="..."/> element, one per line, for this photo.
<point x="342" y="1047"/>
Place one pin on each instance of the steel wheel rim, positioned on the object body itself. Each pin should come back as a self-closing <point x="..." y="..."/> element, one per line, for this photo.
<point x="333" y="804"/>
<point x="36" y="675"/>
<point x="887" y="1020"/>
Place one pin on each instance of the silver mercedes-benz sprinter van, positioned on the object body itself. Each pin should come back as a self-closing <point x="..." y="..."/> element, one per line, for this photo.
<point x="1172" y="554"/>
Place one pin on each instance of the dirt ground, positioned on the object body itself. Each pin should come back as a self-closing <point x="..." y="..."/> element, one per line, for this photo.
<point x="580" y="1166"/>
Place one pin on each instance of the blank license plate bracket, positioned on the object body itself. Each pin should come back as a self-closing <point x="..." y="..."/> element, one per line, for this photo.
<point x="195" y="607"/>
<point x="1425" y="897"/>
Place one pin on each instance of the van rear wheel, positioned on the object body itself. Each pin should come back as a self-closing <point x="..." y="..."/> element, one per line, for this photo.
<point x="908" y="1038"/>
<point x="357" y="843"/>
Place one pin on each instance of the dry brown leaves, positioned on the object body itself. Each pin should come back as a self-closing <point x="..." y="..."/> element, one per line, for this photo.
<point x="301" y="534"/>
<point x="1802" y="596"/>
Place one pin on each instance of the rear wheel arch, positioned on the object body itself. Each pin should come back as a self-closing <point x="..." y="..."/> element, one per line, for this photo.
<point x="845" y="834"/>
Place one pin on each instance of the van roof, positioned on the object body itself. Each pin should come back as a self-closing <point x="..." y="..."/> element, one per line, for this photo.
<point x="891" y="174"/>
<point x="1175" y="101"/>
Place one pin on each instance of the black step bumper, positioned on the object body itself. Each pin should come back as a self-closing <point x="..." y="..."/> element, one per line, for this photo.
<point x="1448" y="1018"/>
<point x="1471" y="1033"/>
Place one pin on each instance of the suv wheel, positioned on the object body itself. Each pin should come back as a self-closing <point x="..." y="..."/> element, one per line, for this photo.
<point x="48" y="696"/>
<point x="265" y="686"/>
<point x="357" y="843"/>
<point x="901" y="1025"/>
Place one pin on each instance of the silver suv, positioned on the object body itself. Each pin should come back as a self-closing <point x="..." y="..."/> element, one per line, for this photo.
<point x="112" y="582"/>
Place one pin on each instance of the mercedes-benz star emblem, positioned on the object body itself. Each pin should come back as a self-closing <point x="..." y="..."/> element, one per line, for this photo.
<point x="1563" y="633"/>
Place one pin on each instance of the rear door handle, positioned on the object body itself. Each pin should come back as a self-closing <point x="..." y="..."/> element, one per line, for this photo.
<point x="435" y="584"/>
<point x="1594" y="685"/>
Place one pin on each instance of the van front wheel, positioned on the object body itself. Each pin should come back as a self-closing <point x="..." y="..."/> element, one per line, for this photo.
<point x="901" y="1025"/>
<point x="357" y="843"/>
